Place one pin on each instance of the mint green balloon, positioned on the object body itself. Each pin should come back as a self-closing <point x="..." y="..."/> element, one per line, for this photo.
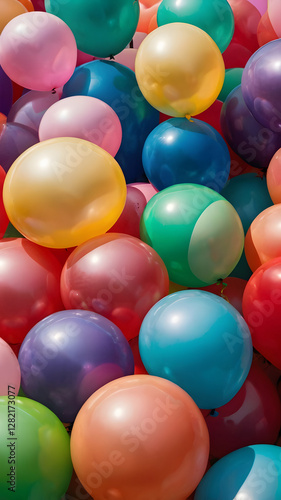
<point x="102" y="28"/>
<point x="213" y="16"/>
<point x="35" y="458"/>
<point x="232" y="79"/>
<point x="196" y="232"/>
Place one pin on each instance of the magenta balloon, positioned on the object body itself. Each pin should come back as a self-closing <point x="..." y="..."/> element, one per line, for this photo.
<point x="38" y="51"/>
<point x="29" y="109"/>
<point x="14" y="140"/>
<point x="83" y="117"/>
<point x="9" y="371"/>
<point x="261" y="5"/>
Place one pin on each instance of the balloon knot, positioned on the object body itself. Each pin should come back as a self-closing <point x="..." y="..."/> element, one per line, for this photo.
<point x="221" y="283"/>
<point x="111" y="58"/>
<point x="188" y="117"/>
<point x="53" y="91"/>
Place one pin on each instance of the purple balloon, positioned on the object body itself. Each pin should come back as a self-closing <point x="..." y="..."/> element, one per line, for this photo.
<point x="67" y="356"/>
<point x="14" y="140"/>
<point x="6" y="92"/>
<point x="261" y="84"/>
<point x="254" y="143"/>
<point x="30" y="107"/>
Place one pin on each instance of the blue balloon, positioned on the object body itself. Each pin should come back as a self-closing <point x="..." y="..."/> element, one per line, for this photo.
<point x="6" y="93"/>
<point x="182" y="151"/>
<point x="251" y="473"/>
<point x="200" y="342"/>
<point x="116" y="85"/>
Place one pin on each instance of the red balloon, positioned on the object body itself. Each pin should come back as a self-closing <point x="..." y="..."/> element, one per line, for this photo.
<point x="265" y="32"/>
<point x="61" y="254"/>
<point x="262" y="310"/>
<point x="29" y="287"/>
<point x="232" y="292"/>
<point x="246" y="21"/>
<point x="139" y="366"/>
<point x="4" y="221"/>
<point x="117" y="276"/>
<point x="212" y="116"/>
<point x="253" y="416"/>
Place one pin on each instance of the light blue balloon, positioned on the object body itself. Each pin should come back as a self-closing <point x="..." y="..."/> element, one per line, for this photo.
<point x="251" y="473"/>
<point x="200" y="342"/>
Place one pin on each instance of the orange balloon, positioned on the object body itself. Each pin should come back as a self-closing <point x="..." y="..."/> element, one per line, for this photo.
<point x="140" y="437"/>
<point x="27" y="4"/>
<point x="10" y="9"/>
<point x="273" y="177"/>
<point x="148" y="15"/>
<point x="263" y="239"/>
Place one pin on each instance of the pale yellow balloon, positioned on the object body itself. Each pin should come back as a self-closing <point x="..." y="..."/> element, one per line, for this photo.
<point x="64" y="191"/>
<point x="179" y="69"/>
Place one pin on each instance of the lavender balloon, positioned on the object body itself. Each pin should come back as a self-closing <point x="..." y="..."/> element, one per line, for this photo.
<point x="14" y="140"/>
<point x="6" y="93"/>
<point x="245" y="135"/>
<point x="67" y="356"/>
<point x="30" y="108"/>
<point x="261" y="84"/>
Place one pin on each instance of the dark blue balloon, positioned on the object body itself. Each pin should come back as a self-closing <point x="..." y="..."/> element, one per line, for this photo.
<point x="6" y="93"/>
<point x="116" y="85"/>
<point x="182" y="151"/>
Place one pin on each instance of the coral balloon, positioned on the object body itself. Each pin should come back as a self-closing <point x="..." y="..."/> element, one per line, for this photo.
<point x="148" y="15"/>
<point x="64" y="191"/>
<point x="274" y="12"/>
<point x="9" y="10"/>
<point x="273" y="177"/>
<point x="265" y="31"/>
<point x="83" y="117"/>
<point x="128" y="427"/>
<point x="10" y="374"/>
<point x="179" y="69"/>
<point x="29" y="109"/>
<point x="28" y="57"/>
<point x="14" y="140"/>
<point x="4" y="221"/>
<point x="28" y="5"/>
<point x="117" y="276"/>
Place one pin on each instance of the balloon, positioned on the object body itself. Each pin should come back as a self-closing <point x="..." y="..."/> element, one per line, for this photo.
<point x="6" y="93"/>
<point x="212" y="116"/>
<point x="274" y="13"/>
<point x="231" y="290"/>
<point x="9" y="10"/>
<point x="127" y="57"/>
<point x="76" y="491"/>
<point x="182" y="151"/>
<point x="28" y="57"/>
<point x="112" y="23"/>
<point x="9" y="370"/>
<point x="261" y="309"/>
<point x="236" y="55"/>
<point x="232" y="79"/>
<point x="148" y="15"/>
<point x="29" y="287"/>
<point x="139" y="366"/>
<point x="200" y="342"/>
<point x="83" y="117"/>
<point x="4" y="221"/>
<point x="69" y="355"/>
<point x="39" y="5"/>
<point x="29" y="109"/>
<point x="263" y="241"/>
<point x="117" y="276"/>
<point x="179" y="69"/>
<point x="246" y="19"/>
<point x="64" y="191"/>
<point x="28" y="5"/>
<point x="245" y="135"/>
<point x="215" y="19"/>
<point x="265" y="32"/>
<point x="36" y="461"/>
<point x="273" y="177"/>
<point x="249" y="473"/>
<point x="116" y="85"/>
<point x="14" y="140"/>
<point x="196" y="232"/>
<point x="138" y="194"/>
<point x="260" y="85"/>
<point x="261" y="5"/>
<point x="129" y="426"/>
<point x="253" y="416"/>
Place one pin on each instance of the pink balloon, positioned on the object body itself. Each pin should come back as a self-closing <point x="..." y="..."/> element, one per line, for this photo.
<point x="9" y="370"/>
<point x="127" y="57"/>
<point x="261" y="5"/>
<point x="83" y="117"/>
<point x="274" y="12"/>
<point x="38" y="51"/>
<point x="29" y="109"/>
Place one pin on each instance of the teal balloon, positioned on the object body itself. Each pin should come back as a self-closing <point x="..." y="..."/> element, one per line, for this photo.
<point x="212" y="16"/>
<point x="102" y="28"/>
<point x="233" y="77"/>
<point x="200" y="342"/>
<point x="251" y="473"/>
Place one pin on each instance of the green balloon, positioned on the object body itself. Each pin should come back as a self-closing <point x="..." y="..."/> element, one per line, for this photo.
<point x="232" y="79"/>
<point x="214" y="17"/>
<point x="35" y="461"/>
<point x="198" y="233"/>
<point x="102" y="28"/>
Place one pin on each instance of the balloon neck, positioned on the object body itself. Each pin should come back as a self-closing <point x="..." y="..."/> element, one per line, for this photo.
<point x="53" y="91"/>
<point x="261" y="173"/>
<point x="223" y="285"/>
<point x="214" y="413"/>
<point x="111" y="58"/>
<point x="188" y="117"/>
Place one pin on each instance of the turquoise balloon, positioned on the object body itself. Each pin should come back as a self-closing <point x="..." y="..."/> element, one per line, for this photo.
<point x="233" y="77"/>
<point x="101" y="28"/>
<point x="251" y="473"/>
<point x="200" y="342"/>
<point x="212" y="16"/>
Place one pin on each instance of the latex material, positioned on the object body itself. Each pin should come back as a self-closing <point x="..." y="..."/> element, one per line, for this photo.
<point x="64" y="191"/>
<point x="116" y="85"/>
<point x="215" y="19"/>
<point x="28" y="5"/>
<point x="182" y="151"/>
<point x="233" y="77"/>
<point x="83" y="117"/>
<point x="112" y="23"/>
<point x="179" y="69"/>
<point x="28" y="57"/>
<point x="4" y="221"/>
<point x="10" y="374"/>
<point x="132" y="424"/>
<point x="273" y="177"/>
<point x="43" y="465"/>
<point x="6" y="93"/>
<point x="265" y="31"/>
<point x="246" y="20"/>
<point x="67" y="356"/>
<point x="10" y="9"/>
<point x="29" y="109"/>
<point x="29" y="287"/>
<point x="148" y="15"/>
<point x="139" y="366"/>
<point x="196" y="232"/>
<point x="14" y="140"/>
<point x="261" y="5"/>
<point x="231" y="290"/>
<point x="261" y="309"/>
<point x="117" y="276"/>
<point x="274" y="12"/>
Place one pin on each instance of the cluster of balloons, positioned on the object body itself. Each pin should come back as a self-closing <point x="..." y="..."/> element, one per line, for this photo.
<point x="140" y="251"/>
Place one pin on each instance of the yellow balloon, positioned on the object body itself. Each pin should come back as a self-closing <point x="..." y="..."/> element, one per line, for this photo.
<point x="179" y="69"/>
<point x="64" y="191"/>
